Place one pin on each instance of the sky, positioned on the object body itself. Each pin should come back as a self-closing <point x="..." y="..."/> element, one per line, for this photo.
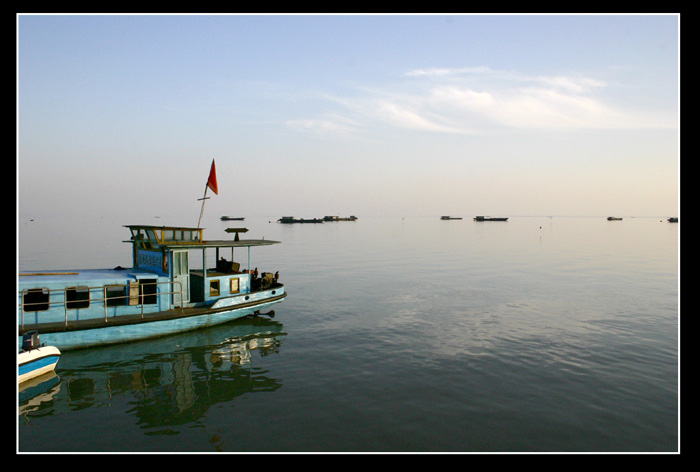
<point x="367" y="115"/>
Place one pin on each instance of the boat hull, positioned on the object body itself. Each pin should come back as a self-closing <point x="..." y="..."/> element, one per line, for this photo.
<point x="123" y="332"/>
<point x="39" y="361"/>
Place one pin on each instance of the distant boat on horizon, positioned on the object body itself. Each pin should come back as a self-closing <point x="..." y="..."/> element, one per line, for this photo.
<point x="450" y="217"/>
<point x="291" y="219"/>
<point x="614" y="218"/>
<point x="232" y="218"/>
<point x="488" y="218"/>
<point x="337" y="218"/>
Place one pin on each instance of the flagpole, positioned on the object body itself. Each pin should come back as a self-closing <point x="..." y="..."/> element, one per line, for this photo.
<point x="211" y="183"/>
<point x="203" y="199"/>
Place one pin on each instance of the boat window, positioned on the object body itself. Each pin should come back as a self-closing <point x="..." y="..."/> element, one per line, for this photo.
<point x="214" y="288"/>
<point x="35" y="299"/>
<point x="115" y="295"/>
<point x="190" y="235"/>
<point x="77" y="297"/>
<point x="235" y="286"/>
<point x="149" y="291"/>
<point x="151" y="240"/>
<point x="137" y="236"/>
<point x="178" y="234"/>
<point x="145" y="239"/>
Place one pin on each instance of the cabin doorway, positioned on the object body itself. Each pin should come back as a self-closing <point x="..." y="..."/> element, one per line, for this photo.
<point x="181" y="277"/>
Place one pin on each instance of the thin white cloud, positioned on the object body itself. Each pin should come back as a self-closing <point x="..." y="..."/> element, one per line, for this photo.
<point x="402" y="116"/>
<point x="480" y="99"/>
<point x="443" y="72"/>
<point x="571" y="84"/>
<point x="330" y="125"/>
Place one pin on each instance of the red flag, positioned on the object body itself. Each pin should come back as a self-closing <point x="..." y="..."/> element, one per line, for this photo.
<point x="211" y="183"/>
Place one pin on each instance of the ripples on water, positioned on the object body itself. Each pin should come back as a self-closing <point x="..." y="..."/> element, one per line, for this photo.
<point x="399" y="335"/>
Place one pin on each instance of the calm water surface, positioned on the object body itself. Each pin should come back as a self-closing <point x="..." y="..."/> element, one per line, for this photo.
<point x="398" y="335"/>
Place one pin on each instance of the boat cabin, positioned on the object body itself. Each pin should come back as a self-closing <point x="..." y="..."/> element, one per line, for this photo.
<point x="166" y="251"/>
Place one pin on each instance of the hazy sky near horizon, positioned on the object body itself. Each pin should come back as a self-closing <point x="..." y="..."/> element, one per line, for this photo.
<point x="313" y="115"/>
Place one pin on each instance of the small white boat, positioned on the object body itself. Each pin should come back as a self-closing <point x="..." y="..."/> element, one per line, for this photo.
<point x="34" y="359"/>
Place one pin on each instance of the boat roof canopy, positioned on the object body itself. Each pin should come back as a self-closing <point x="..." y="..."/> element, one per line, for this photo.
<point x="148" y="237"/>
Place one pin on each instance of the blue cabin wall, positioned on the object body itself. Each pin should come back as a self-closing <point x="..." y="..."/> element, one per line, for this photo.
<point x="152" y="261"/>
<point x="96" y="281"/>
<point x="202" y="287"/>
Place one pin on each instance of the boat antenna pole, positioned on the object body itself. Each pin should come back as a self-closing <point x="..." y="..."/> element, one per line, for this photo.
<point x="211" y="183"/>
<point x="203" y="199"/>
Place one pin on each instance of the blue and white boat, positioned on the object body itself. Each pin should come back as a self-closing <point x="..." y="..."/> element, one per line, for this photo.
<point x="35" y="359"/>
<point x="160" y="295"/>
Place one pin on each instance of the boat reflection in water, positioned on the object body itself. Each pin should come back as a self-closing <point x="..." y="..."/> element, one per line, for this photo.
<point x="32" y="393"/>
<point x="170" y="381"/>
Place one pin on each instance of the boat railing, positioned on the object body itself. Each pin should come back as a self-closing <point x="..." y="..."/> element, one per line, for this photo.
<point x="129" y="299"/>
